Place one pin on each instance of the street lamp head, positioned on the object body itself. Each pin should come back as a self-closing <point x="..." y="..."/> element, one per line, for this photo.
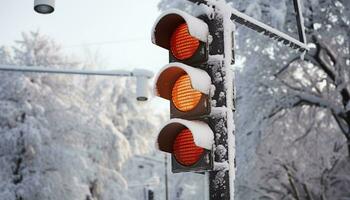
<point x="141" y="88"/>
<point x="142" y="77"/>
<point x="44" y="6"/>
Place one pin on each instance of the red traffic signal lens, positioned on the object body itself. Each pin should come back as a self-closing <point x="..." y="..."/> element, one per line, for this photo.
<point x="185" y="150"/>
<point x="182" y="44"/>
<point x="184" y="97"/>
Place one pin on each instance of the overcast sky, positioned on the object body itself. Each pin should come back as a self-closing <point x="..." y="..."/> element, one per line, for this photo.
<point x="119" y="29"/>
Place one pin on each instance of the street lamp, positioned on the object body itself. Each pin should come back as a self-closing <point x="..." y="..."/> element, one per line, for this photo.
<point x="142" y="75"/>
<point x="44" y="6"/>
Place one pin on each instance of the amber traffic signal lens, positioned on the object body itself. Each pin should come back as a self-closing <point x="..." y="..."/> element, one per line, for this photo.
<point x="185" y="150"/>
<point x="184" y="97"/>
<point x="183" y="45"/>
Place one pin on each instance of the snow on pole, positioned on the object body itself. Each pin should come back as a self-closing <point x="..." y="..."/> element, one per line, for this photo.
<point x="39" y="69"/>
<point x="260" y="27"/>
<point x="228" y="30"/>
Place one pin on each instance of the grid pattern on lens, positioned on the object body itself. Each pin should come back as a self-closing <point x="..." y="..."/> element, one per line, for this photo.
<point x="184" y="97"/>
<point x="185" y="150"/>
<point x="182" y="44"/>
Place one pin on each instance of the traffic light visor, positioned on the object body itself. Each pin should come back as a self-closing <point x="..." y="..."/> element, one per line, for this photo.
<point x="176" y="132"/>
<point x="182" y="84"/>
<point x="169" y="25"/>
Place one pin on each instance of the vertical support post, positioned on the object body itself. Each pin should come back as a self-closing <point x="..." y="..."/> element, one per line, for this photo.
<point x="219" y="179"/>
<point x="300" y="21"/>
<point x="206" y="186"/>
<point x="166" y="177"/>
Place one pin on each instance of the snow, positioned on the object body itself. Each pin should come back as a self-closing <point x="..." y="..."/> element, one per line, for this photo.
<point x="67" y="137"/>
<point x="347" y="108"/>
<point x="271" y="131"/>
<point x="288" y="39"/>
<point x="200" y="80"/>
<point x="218" y="111"/>
<point x="225" y="11"/>
<point x="197" y="28"/>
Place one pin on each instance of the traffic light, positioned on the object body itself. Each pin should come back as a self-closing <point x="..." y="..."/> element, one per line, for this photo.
<point x="198" y="83"/>
<point x="185" y="36"/>
<point x="150" y="194"/>
<point x="185" y="83"/>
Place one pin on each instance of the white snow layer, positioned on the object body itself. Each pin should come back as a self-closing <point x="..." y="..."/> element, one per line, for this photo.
<point x="197" y="28"/>
<point x="67" y="137"/>
<point x="225" y="10"/>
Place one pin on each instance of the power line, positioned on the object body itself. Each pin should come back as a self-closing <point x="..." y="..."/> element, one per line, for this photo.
<point x="106" y="42"/>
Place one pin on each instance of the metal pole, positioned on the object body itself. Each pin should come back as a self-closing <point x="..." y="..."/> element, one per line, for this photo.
<point x="206" y="186"/>
<point x="166" y="176"/>
<point x="267" y="30"/>
<point x="300" y="21"/>
<point x="219" y="180"/>
<point x="36" y="69"/>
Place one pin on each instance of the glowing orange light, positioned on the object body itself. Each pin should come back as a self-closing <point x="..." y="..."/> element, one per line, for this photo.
<point x="185" y="150"/>
<point x="183" y="45"/>
<point x="184" y="97"/>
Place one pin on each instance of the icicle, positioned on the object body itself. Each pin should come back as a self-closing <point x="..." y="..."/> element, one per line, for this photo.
<point x="302" y="55"/>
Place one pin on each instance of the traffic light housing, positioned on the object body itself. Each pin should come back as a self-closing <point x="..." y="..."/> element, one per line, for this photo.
<point x="185" y="36"/>
<point x="187" y="136"/>
<point x="187" y="88"/>
<point x="204" y="43"/>
<point x="190" y="144"/>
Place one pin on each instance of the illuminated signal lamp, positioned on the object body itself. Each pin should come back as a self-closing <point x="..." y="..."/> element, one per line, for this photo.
<point x="186" y="48"/>
<point x="184" y="97"/>
<point x="184" y="36"/>
<point x="182" y="44"/>
<point x="186" y="88"/>
<point x="185" y="150"/>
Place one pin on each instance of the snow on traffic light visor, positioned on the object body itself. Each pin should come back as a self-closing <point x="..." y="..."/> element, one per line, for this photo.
<point x="175" y="20"/>
<point x="183" y="77"/>
<point x="185" y="139"/>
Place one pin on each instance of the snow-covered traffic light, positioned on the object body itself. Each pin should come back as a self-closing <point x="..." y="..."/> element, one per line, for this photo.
<point x="198" y="82"/>
<point x="185" y="36"/>
<point x="190" y="143"/>
<point x="187" y="86"/>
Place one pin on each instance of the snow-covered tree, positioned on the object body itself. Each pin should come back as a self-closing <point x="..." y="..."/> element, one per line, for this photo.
<point x="302" y="126"/>
<point x="66" y="137"/>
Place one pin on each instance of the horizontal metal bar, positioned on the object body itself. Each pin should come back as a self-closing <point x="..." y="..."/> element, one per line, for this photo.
<point x="266" y="30"/>
<point x="147" y="158"/>
<point x="121" y="73"/>
<point x="260" y="27"/>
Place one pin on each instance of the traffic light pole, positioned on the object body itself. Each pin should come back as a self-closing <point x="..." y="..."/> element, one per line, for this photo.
<point x="221" y="58"/>
<point x="218" y="68"/>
